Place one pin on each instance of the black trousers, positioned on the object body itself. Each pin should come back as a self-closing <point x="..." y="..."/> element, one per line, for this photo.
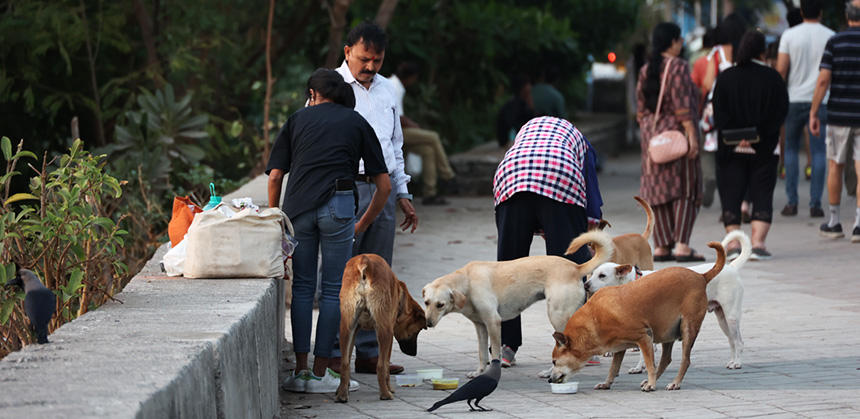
<point x="742" y="173"/>
<point x="517" y="219"/>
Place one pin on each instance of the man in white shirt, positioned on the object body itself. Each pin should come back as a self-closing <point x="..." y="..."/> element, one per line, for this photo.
<point x="800" y="50"/>
<point x="424" y="142"/>
<point x="375" y="101"/>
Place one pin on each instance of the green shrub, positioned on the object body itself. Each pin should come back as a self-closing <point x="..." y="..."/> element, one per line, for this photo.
<point x="63" y="230"/>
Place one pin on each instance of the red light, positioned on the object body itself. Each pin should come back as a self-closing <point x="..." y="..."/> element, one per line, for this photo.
<point x="611" y="57"/>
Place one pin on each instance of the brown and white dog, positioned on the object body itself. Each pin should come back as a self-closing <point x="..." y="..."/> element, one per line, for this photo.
<point x="662" y="307"/>
<point x="633" y="248"/>
<point x="372" y="298"/>
<point x="488" y="293"/>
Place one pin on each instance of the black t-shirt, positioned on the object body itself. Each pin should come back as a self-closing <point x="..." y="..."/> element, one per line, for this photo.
<point x="750" y="95"/>
<point x="318" y="145"/>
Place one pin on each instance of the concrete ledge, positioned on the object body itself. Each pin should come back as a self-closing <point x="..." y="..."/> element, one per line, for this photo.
<point x="174" y="347"/>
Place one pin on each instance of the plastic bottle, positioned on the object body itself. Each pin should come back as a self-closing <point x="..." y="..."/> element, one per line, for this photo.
<point x="214" y="200"/>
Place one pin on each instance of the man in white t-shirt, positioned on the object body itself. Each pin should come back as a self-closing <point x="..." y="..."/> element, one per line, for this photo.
<point x="800" y="50"/>
<point x="423" y="142"/>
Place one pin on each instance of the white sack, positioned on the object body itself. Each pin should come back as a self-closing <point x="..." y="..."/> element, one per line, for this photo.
<point x="174" y="260"/>
<point x="246" y="245"/>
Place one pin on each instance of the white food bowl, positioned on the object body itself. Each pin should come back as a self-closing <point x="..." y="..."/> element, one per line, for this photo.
<point x="565" y="388"/>
<point x="429" y="374"/>
<point x="408" y="380"/>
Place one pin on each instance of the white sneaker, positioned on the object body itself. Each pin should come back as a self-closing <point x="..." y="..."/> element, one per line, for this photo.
<point x="328" y="383"/>
<point x="297" y="383"/>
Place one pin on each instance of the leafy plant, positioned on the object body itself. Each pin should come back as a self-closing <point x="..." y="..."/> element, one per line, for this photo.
<point x="62" y="231"/>
<point x="163" y="130"/>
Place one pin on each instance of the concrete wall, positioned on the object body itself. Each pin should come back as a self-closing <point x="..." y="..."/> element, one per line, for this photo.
<point x="172" y="347"/>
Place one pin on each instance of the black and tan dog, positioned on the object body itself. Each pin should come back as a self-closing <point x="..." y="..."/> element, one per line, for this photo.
<point x="372" y="298"/>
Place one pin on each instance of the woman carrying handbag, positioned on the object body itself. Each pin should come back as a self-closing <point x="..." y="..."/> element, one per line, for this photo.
<point x="672" y="188"/>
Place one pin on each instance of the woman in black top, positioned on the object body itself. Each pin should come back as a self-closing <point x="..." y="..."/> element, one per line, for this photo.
<point x="320" y="146"/>
<point x="750" y="95"/>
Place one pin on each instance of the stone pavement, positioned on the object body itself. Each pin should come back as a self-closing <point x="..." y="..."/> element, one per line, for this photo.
<point x="801" y="328"/>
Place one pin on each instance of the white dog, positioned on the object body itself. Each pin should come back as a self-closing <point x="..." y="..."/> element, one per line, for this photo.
<point x="488" y="293"/>
<point x="725" y="293"/>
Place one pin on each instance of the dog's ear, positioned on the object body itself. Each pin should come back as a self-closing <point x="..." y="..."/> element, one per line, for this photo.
<point x="603" y="224"/>
<point x="458" y="298"/>
<point x="560" y="339"/>
<point x="622" y="270"/>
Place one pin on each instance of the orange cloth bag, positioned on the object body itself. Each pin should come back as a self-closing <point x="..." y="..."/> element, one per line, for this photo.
<point x="183" y="215"/>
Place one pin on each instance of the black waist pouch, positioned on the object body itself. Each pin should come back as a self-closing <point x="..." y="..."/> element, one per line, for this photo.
<point x="734" y="136"/>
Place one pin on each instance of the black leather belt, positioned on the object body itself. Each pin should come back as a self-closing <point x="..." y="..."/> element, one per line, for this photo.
<point x="363" y="178"/>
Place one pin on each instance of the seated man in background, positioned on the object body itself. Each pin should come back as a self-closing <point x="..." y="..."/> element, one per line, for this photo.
<point x="518" y="110"/>
<point x="425" y="143"/>
<point x="547" y="99"/>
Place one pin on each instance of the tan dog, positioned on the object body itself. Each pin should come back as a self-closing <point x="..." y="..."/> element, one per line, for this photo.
<point x="372" y="298"/>
<point x="662" y="307"/>
<point x="633" y="248"/>
<point x="488" y="293"/>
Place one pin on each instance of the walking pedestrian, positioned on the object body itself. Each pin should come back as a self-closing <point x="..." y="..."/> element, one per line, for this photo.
<point x="750" y="104"/>
<point x="729" y="34"/>
<point x="546" y="182"/>
<point x="320" y="147"/>
<point x="800" y="50"/>
<point x="840" y="65"/>
<point x="375" y="101"/>
<point x="673" y="189"/>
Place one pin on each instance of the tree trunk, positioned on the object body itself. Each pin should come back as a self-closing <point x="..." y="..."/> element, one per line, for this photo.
<point x="269" y="82"/>
<point x="148" y="41"/>
<point x="94" y="85"/>
<point x="385" y="12"/>
<point x="337" y="16"/>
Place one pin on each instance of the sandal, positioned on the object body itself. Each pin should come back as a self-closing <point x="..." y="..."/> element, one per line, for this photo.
<point x="664" y="258"/>
<point x="692" y="257"/>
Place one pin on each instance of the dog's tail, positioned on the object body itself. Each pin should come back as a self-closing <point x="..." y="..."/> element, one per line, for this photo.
<point x="649" y="223"/>
<point x="602" y="244"/>
<point x="718" y="265"/>
<point x="746" y="247"/>
<point x="361" y="266"/>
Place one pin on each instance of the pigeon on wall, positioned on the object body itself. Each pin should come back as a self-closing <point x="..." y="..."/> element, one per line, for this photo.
<point x="476" y="389"/>
<point x="40" y="303"/>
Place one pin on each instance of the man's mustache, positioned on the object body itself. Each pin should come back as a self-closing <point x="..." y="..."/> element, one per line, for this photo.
<point x="367" y="72"/>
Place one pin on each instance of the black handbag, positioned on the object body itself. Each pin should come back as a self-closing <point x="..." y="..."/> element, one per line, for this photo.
<point x="734" y="136"/>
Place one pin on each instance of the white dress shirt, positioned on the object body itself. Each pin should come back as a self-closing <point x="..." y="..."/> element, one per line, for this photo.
<point x="399" y="92"/>
<point x="378" y="106"/>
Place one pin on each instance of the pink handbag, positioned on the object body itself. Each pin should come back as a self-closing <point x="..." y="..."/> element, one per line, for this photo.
<point x="668" y="145"/>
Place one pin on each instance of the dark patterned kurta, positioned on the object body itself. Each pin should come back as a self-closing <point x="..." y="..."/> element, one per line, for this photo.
<point x="682" y="178"/>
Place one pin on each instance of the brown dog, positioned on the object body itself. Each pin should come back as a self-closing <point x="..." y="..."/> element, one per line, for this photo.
<point x="372" y="298"/>
<point x="662" y="307"/>
<point x="632" y="248"/>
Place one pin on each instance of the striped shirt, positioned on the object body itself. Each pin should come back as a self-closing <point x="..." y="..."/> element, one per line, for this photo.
<point x="547" y="158"/>
<point x="842" y="57"/>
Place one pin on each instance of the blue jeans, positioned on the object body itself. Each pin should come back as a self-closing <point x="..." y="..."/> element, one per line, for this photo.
<point x="329" y="228"/>
<point x="795" y="122"/>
